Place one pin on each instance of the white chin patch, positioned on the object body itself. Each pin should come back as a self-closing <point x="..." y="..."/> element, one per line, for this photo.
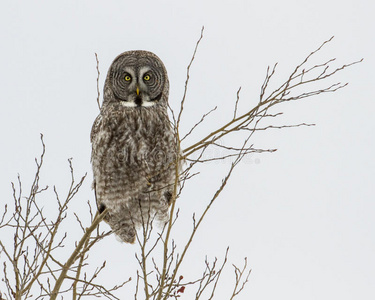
<point x="132" y="104"/>
<point x="148" y="103"/>
<point x="128" y="104"/>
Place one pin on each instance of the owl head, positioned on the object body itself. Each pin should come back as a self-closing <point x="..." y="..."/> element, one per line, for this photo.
<point x="137" y="79"/>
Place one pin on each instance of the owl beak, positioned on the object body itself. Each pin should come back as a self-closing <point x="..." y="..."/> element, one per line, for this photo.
<point x="137" y="91"/>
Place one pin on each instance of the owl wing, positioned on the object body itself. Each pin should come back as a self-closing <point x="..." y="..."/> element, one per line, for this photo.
<point x="95" y="127"/>
<point x="94" y="131"/>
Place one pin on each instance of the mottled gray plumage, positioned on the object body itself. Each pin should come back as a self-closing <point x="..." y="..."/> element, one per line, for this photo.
<point x="133" y="144"/>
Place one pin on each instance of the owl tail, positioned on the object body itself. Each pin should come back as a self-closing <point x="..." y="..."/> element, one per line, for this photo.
<point x="122" y="226"/>
<point x="126" y="235"/>
<point x="136" y="214"/>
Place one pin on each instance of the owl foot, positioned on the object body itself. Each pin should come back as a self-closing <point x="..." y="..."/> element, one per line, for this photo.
<point x="101" y="207"/>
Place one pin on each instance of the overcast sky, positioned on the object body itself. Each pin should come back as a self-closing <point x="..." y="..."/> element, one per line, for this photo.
<point x="303" y="216"/>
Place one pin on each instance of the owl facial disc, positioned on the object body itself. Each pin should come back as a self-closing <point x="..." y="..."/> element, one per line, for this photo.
<point x="137" y="86"/>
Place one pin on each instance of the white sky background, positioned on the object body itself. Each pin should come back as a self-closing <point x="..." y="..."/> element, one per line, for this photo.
<point x="304" y="215"/>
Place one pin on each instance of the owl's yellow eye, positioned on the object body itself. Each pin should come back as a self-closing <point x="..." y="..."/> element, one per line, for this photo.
<point x="146" y="77"/>
<point x="128" y="78"/>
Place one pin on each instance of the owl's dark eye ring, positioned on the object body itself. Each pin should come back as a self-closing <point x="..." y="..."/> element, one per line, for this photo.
<point x="128" y="78"/>
<point x="146" y="77"/>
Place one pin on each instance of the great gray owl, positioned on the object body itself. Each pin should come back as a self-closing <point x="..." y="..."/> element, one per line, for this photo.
<point x="134" y="145"/>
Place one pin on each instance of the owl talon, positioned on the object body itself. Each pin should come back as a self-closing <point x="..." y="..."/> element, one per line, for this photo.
<point x="101" y="208"/>
<point x="168" y="197"/>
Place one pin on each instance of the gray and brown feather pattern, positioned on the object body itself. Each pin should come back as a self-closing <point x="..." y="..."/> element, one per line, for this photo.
<point x="134" y="145"/>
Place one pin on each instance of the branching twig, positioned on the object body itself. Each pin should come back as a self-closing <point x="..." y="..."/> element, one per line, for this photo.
<point x="73" y="257"/>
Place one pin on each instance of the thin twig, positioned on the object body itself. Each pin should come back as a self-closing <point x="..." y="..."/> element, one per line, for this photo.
<point x="97" y="80"/>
